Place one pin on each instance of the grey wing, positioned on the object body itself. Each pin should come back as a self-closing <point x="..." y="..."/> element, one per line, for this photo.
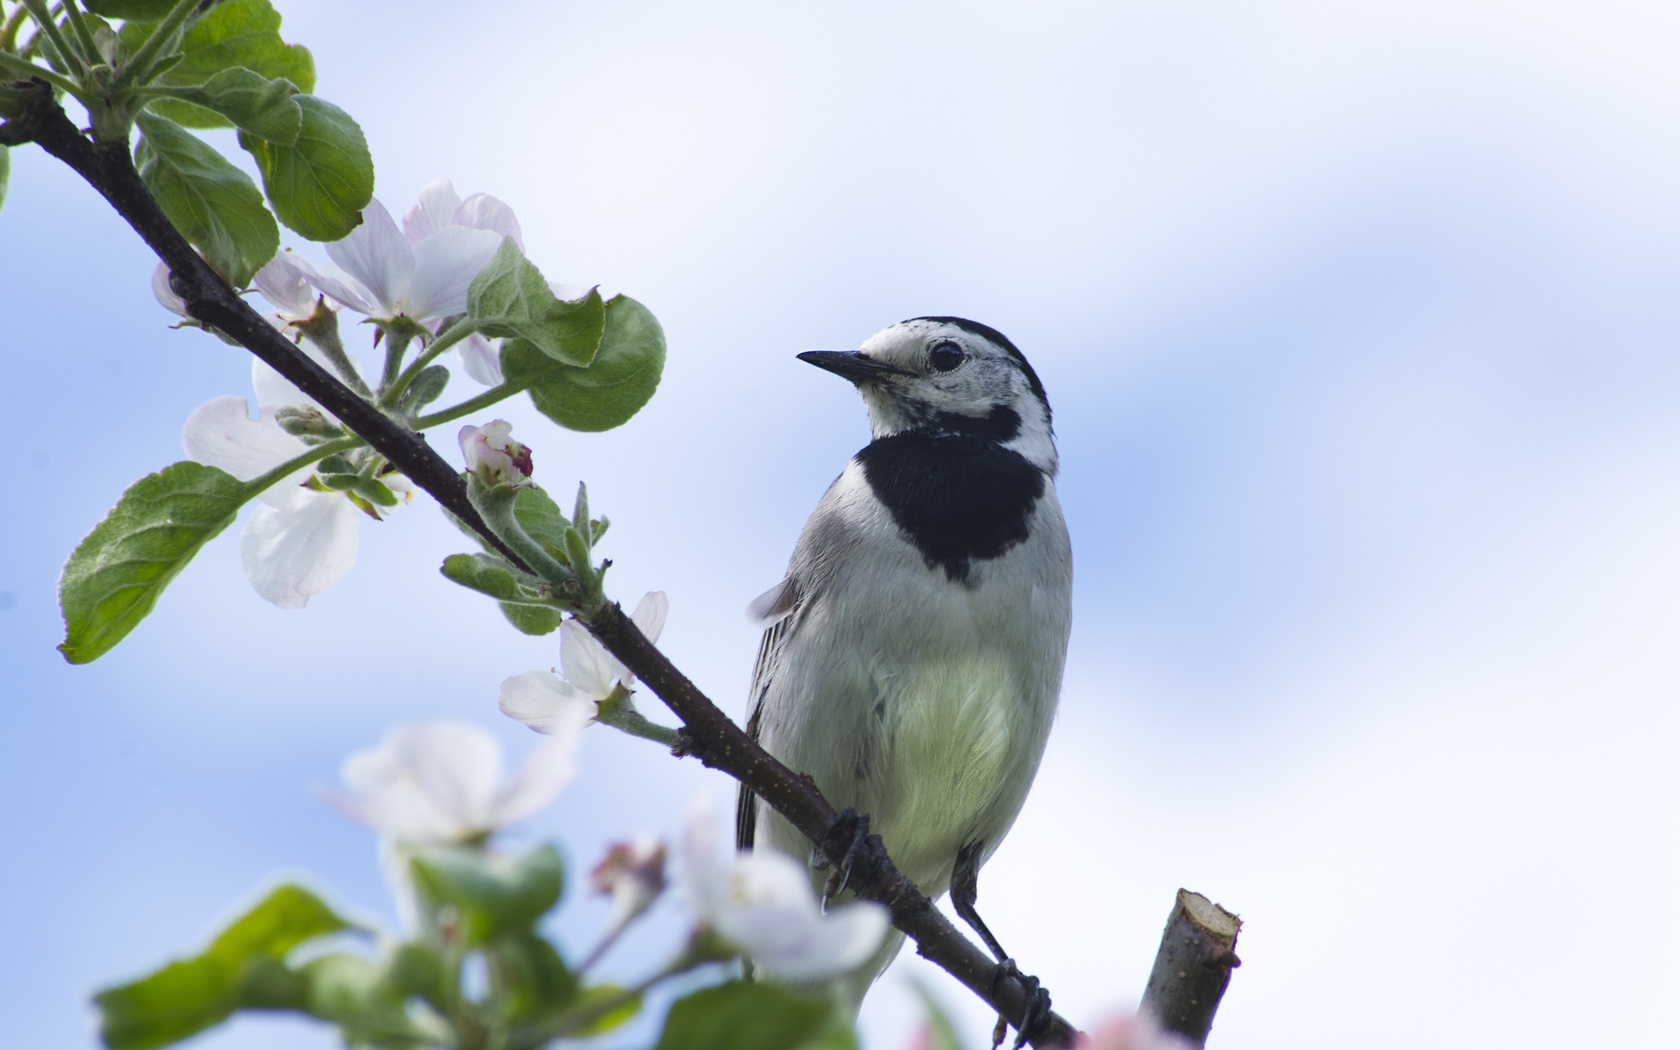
<point x="779" y="603"/>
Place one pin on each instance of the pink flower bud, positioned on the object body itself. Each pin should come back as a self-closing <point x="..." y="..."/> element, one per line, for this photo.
<point x="633" y="873"/>
<point x="493" y="456"/>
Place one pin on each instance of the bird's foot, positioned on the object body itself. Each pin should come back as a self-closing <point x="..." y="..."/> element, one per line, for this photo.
<point x="1037" y="1014"/>
<point x="848" y="847"/>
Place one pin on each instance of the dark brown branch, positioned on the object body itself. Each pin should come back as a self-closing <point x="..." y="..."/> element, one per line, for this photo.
<point x="1198" y="953"/>
<point x="710" y="735"/>
<point x="108" y="168"/>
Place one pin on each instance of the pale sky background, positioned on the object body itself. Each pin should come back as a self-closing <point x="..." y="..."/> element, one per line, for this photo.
<point x="1360" y="324"/>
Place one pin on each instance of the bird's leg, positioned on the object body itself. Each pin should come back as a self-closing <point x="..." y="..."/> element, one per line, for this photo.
<point x="965" y="890"/>
<point x="847" y="844"/>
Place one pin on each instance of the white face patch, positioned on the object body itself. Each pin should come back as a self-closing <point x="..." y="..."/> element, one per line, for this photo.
<point x="988" y="390"/>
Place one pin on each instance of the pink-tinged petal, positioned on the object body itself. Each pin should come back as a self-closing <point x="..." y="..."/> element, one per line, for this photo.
<point x="288" y="285"/>
<point x="545" y="703"/>
<point x="166" y="296"/>
<point x="586" y="663"/>
<point x="484" y="212"/>
<point x="343" y="289"/>
<point x="221" y="433"/>
<point x="1124" y="1031"/>
<point x="444" y="267"/>
<point x="437" y="207"/>
<point x="482" y="359"/>
<point x="378" y="257"/>
<point x="650" y="612"/>
<point x="541" y="779"/>
<point x="294" y="554"/>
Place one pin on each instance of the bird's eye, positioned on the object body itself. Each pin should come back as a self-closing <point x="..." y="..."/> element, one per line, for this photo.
<point x="945" y="355"/>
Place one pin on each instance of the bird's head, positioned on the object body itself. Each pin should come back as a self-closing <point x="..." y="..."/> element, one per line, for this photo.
<point x="948" y="376"/>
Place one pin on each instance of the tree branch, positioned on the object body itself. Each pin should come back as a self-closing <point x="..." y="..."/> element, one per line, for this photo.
<point x="708" y="733"/>
<point x="1193" y="966"/>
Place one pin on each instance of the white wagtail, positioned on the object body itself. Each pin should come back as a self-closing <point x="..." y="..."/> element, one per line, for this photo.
<point x="914" y="652"/>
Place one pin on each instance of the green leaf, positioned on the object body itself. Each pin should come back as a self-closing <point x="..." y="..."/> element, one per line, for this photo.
<point x="114" y="578"/>
<point x="232" y="34"/>
<point x="495" y="893"/>
<point x="742" y="1016"/>
<point x="536" y="620"/>
<point x="250" y="101"/>
<point x="614" y="387"/>
<point x="143" y="10"/>
<point x="490" y="574"/>
<point x="319" y="184"/>
<point x="509" y="299"/>
<point x="594" y="998"/>
<point x="214" y="204"/>
<point x="351" y="992"/>
<point x="529" y="975"/>
<point x="280" y="922"/>
<point x="241" y="968"/>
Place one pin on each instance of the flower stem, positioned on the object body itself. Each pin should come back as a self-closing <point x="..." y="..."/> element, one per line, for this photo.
<point x="26" y="68"/>
<point x="84" y="35"/>
<point x="617" y="711"/>
<point x="469" y="406"/>
<point x="495" y="504"/>
<point x="319" y="452"/>
<point x="394" y="385"/>
<point x="9" y="31"/>
<point x="396" y="345"/>
<point x="66" y="53"/>
<point x="138" y="69"/>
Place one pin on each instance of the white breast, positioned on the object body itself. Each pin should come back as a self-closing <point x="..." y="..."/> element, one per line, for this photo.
<point x="921" y="701"/>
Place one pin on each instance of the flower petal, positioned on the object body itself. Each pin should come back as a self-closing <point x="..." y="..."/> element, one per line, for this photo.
<point x="377" y="256"/>
<point x="545" y="703"/>
<point x="444" y="267"/>
<point x="650" y="614"/>
<point x="543" y="776"/>
<point x="221" y="433"/>
<point x="343" y="289"/>
<point x="288" y="282"/>
<point x="484" y="212"/>
<point x="166" y="296"/>
<point x="482" y="359"/>
<point x="437" y="207"/>
<point x="586" y="662"/>
<point x="457" y="766"/>
<point x="295" y="553"/>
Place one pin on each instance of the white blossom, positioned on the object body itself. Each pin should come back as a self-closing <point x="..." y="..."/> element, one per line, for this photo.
<point x="443" y="782"/>
<point x="540" y="699"/>
<point x="764" y="904"/>
<point x="299" y="541"/>
<point x="423" y="271"/>
<point x="166" y="296"/>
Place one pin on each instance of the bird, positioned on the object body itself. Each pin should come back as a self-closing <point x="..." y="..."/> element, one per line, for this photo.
<point x="912" y="656"/>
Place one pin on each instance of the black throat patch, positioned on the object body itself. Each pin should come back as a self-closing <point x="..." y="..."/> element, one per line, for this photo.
<point x="957" y="496"/>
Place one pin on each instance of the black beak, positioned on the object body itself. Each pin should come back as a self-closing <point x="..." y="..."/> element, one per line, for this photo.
<point x="851" y="364"/>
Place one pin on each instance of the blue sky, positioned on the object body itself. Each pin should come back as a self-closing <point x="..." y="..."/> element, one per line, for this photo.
<point x="1360" y="327"/>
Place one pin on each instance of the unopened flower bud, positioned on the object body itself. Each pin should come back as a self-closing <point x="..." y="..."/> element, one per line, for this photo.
<point x="633" y="874"/>
<point x="496" y="458"/>
<point x="307" y="421"/>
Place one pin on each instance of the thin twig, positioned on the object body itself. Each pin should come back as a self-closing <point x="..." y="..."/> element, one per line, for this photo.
<point x="708" y="733"/>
